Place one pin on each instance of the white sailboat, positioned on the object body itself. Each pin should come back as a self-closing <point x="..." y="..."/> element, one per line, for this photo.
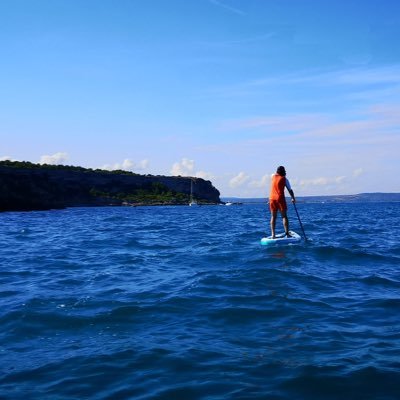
<point x="192" y="202"/>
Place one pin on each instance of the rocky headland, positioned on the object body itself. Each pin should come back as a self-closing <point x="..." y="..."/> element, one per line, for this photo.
<point x="26" y="186"/>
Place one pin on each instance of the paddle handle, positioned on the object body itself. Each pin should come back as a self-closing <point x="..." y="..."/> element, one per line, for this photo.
<point x="298" y="216"/>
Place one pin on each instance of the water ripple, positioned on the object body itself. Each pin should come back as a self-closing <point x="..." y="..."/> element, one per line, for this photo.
<point x="183" y="303"/>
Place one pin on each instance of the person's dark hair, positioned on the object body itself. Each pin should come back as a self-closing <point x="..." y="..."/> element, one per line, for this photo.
<point x="281" y="171"/>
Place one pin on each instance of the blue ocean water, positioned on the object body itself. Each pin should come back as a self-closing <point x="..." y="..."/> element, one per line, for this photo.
<point x="184" y="303"/>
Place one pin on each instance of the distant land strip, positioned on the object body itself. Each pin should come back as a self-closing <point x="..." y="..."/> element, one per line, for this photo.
<point x="26" y="186"/>
<point x="350" y="198"/>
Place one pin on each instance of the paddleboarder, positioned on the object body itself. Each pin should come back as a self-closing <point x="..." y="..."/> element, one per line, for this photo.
<point x="277" y="200"/>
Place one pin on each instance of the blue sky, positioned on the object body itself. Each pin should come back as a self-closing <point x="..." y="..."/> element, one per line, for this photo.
<point x="222" y="89"/>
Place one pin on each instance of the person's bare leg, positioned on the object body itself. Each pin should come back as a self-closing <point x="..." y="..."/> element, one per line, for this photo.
<point x="273" y="223"/>
<point x="285" y="221"/>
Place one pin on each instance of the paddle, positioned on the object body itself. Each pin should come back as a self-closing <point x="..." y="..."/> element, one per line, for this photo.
<point x="305" y="237"/>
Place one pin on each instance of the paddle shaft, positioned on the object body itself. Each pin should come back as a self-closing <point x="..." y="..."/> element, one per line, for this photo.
<point x="298" y="216"/>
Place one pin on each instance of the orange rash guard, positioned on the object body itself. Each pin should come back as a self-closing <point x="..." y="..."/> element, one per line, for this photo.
<point x="277" y="194"/>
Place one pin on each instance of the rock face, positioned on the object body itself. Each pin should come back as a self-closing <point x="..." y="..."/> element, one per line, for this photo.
<point x="26" y="186"/>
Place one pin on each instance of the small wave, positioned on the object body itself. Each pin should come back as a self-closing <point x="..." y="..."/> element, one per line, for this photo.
<point x="333" y="383"/>
<point x="354" y="255"/>
<point x="384" y="303"/>
<point x="374" y="280"/>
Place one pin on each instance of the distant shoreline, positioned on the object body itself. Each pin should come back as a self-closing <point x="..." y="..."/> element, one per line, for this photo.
<point x="25" y="186"/>
<point x="350" y="198"/>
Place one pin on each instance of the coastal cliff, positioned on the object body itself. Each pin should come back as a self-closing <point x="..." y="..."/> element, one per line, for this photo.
<point x="28" y="186"/>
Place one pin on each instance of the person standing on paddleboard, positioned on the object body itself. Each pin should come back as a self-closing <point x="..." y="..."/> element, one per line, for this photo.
<point x="277" y="200"/>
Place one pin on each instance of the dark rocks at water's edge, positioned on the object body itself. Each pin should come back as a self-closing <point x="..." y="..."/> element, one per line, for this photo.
<point x="26" y="186"/>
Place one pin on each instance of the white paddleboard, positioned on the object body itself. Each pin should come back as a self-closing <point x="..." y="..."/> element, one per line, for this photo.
<point x="281" y="239"/>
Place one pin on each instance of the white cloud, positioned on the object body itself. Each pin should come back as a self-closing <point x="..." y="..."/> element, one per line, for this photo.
<point x="183" y="168"/>
<point x="186" y="167"/>
<point x="353" y="76"/>
<point x="238" y="180"/>
<point x="273" y="124"/>
<point x="367" y="76"/>
<point x="127" y="165"/>
<point x="340" y="179"/>
<point x="226" y="7"/>
<point x="321" y="181"/>
<point x="205" y="175"/>
<point x="55" y="159"/>
<point x="143" y="164"/>
<point x="6" y="158"/>
<point x="357" y="172"/>
<point x="262" y="183"/>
